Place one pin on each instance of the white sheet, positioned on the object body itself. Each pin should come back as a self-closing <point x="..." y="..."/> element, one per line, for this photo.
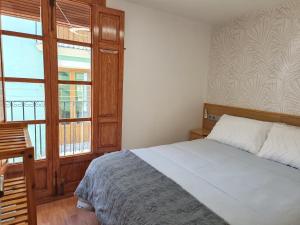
<point x="239" y="186"/>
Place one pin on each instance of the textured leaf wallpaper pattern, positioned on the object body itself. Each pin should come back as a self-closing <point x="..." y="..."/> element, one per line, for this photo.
<point x="255" y="61"/>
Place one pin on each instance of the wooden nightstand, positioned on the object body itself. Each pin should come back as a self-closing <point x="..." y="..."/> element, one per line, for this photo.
<point x="198" y="134"/>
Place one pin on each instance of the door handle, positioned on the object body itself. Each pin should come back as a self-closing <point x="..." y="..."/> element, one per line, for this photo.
<point x="109" y="51"/>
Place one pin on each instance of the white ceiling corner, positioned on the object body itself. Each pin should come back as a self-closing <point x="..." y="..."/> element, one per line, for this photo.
<point x="211" y="11"/>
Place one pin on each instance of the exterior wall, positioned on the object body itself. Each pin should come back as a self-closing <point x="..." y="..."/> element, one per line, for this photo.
<point x="255" y="61"/>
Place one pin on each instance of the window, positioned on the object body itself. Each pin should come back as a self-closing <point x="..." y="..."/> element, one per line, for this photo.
<point x="74" y="78"/>
<point x="23" y="68"/>
<point x="22" y="16"/>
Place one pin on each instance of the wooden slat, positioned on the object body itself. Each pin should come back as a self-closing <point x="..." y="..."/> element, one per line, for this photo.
<point x="5" y="148"/>
<point x="12" y="129"/>
<point x="13" y="138"/>
<point x="12" y="151"/>
<point x="12" y="125"/>
<point x="7" y="138"/>
<point x="10" y="136"/>
<point x="11" y="154"/>
<point x="14" y="179"/>
<point x="8" y="188"/>
<point x="12" y="197"/>
<point x="15" y="191"/>
<point x="13" y="202"/>
<point x="13" y="214"/>
<point x="14" y="208"/>
<point x="13" y="143"/>
<point x="11" y="132"/>
<point x="19" y="219"/>
<point x="17" y="182"/>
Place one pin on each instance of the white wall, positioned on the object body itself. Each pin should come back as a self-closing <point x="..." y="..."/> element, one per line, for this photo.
<point x="165" y="80"/>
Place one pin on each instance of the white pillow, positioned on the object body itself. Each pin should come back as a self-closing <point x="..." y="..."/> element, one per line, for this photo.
<point x="243" y="133"/>
<point x="283" y="145"/>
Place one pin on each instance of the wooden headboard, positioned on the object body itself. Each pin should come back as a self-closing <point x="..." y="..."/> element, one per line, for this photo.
<point x="212" y="112"/>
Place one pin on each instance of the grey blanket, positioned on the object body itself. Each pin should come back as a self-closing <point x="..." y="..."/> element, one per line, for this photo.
<point x="125" y="190"/>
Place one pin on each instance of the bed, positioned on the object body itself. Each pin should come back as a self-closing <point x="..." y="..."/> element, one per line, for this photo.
<point x="216" y="183"/>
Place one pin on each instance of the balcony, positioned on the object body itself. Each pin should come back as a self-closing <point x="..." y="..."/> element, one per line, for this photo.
<point x="74" y="137"/>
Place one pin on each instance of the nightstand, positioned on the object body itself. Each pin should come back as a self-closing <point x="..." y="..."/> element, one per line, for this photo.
<point x="198" y="134"/>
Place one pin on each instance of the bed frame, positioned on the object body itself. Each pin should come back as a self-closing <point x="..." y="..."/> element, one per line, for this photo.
<point x="212" y="112"/>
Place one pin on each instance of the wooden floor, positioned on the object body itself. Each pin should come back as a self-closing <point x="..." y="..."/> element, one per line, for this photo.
<point x="64" y="212"/>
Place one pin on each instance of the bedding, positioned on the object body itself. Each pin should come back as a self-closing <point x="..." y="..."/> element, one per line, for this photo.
<point x="239" y="187"/>
<point x="240" y="132"/>
<point x="124" y="189"/>
<point x="283" y="145"/>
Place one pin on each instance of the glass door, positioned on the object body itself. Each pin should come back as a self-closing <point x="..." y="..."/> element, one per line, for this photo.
<point x="73" y="86"/>
<point x="25" y="74"/>
<point x="46" y="57"/>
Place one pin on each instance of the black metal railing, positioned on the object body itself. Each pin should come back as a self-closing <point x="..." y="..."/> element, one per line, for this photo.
<point x="25" y="110"/>
<point x="74" y="136"/>
<point x="35" y="110"/>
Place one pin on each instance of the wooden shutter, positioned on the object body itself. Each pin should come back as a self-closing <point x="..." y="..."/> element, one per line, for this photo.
<point x="75" y="10"/>
<point x="110" y="79"/>
<point x="72" y="12"/>
<point x="29" y="9"/>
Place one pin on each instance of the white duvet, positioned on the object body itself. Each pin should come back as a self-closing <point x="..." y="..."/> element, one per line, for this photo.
<point x="239" y="186"/>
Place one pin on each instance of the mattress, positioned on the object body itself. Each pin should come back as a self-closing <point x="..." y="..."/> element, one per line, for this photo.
<point x="238" y="186"/>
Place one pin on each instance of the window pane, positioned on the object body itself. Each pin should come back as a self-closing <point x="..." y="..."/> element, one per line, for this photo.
<point x="37" y="133"/>
<point x="75" y="61"/>
<point x="63" y="75"/>
<point x="27" y="26"/>
<point x="82" y="76"/>
<point x="24" y="101"/>
<point x="74" y="138"/>
<point x="74" y="101"/>
<point x="22" y="57"/>
<point x="73" y="21"/>
<point x="21" y="16"/>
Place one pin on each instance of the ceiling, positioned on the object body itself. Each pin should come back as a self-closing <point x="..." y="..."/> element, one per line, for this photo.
<point x="212" y="11"/>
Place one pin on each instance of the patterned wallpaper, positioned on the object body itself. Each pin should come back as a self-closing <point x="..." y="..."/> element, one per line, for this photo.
<point x="255" y="61"/>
